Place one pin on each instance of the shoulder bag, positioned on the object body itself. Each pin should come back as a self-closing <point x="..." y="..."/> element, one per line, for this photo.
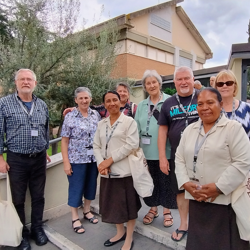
<point x="240" y="202"/>
<point x="142" y="180"/>
<point x="10" y="224"/>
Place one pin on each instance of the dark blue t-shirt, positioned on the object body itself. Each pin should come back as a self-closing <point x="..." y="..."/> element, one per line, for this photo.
<point x="172" y="115"/>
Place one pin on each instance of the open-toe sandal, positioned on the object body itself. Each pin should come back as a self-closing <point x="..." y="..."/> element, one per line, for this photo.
<point x="91" y="220"/>
<point x="171" y="219"/>
<point x="149" y="218"/>
<point x="77" y="229"/>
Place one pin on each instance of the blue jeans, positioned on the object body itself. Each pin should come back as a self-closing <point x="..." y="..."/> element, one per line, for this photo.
<point x="82" y="182"/>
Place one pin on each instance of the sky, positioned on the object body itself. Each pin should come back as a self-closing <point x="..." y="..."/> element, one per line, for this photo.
<point x="220" y="22"/>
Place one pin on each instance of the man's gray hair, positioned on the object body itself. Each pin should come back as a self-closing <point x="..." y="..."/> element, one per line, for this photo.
<point x="29" y="70"/>
<point x="124" y="84"/>
<point x="83" y="89"/>
<point x="151" y="73"/>
<point x="182" y="69"/>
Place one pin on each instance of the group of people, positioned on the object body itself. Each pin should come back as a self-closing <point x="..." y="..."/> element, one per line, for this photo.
<point x="196" y="144"/>
<point x="161" y="128"/>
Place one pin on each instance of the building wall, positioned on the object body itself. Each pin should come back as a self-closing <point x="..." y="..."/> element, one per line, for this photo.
<point x="133" y="66"/>
<point x="236" y="68"/>
<point x="182" y="37"/>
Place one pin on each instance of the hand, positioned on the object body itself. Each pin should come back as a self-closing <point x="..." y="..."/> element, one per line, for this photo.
<point x="67" y="110"/>
<point x="104" y="165"/>
<point x="164" y="165"/>
<point x="48" y="158"/>
<point x="191" y="188"/>
<point x="67" y="169"/>
<point x="4" y="166"/>
<point x="105" y="171"/>
<point x="209" y="190"/>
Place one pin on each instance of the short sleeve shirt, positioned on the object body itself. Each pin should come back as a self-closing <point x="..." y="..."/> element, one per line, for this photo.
<point x="172" y="115"/>
<point x="80" y="130"/>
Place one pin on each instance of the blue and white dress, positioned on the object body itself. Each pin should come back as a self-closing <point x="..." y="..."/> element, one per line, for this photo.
<point x="242" y="115"/>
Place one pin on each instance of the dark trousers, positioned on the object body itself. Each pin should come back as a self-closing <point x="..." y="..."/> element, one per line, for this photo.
<point x="26" y="171"/>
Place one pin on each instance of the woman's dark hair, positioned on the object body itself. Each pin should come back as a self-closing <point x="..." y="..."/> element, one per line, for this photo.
<point x="212" y="90"/>
<point x="112" y="92"/>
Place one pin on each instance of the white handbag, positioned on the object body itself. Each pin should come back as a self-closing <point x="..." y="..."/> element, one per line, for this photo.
<point x="10" y="224"/>
<point x="142" y="180"/>
<point x="240" y="202"/>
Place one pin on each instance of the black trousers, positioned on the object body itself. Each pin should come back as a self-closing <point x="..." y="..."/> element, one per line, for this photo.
<point x="26" y="171"/>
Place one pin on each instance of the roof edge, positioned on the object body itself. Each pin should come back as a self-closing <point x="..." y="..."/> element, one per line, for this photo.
<point x="190" y="26"/>
<point x="152" y="8"/>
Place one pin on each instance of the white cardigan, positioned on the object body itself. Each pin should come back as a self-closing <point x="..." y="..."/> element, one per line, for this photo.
<point x="224" y="158"/>
<point x="125" y="138"/>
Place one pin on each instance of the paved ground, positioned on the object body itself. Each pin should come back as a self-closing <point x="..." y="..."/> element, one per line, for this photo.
<point x="48" y="246"/>
<point x="97" y="234"/>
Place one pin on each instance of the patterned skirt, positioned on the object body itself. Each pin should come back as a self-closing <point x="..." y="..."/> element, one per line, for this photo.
<point x="162" y="194"/>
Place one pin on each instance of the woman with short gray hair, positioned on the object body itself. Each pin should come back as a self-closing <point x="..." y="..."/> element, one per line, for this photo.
<point x="147" y="122"/>
<point x="78" y="131"/>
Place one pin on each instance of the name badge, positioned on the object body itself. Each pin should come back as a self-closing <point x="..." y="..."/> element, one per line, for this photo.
<point x="145" y="140"/>
<point x="34" y="132"/>
<point x="90" y="152"/>
<point x="197" y="182"/>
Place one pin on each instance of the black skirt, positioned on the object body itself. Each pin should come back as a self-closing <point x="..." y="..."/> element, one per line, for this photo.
<point x="119" y="202"/>
<point x="162" y="194"/>
<point x="213" y="227"/>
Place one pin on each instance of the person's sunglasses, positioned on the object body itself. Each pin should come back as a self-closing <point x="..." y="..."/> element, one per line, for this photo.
<point x="228" y="83"/>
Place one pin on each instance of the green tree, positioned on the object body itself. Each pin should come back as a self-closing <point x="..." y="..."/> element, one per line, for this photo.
<point x="44" y="40"/>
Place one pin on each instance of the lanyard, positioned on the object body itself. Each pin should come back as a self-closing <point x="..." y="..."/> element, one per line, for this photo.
<point x="150" y="113"/>
<point x="199" y="145"/>
<point x="182" y="108"/>
<point x="109" y="137"/>
<point x="88" y="125"/>
<point x="25" y="110"/>
<point x="233" y="112"/>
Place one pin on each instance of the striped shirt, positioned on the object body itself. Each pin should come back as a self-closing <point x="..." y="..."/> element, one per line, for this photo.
<point x="25" y="133"/>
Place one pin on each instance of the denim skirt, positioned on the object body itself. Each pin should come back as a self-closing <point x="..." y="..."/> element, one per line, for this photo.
<point x="82" y="183"/>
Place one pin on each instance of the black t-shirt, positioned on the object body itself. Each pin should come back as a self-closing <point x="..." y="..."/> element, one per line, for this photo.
<point x="172" y="115"/>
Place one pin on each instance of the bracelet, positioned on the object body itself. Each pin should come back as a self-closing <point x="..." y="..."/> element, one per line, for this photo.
<point x="218" y="190"/>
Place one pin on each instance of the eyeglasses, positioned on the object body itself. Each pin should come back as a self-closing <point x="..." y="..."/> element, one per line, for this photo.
<point x="228" y="83"/>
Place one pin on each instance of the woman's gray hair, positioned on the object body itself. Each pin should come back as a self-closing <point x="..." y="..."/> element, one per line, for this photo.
<point x="151" y="73"/>
<point x="29" y="70"/>
<point x="182" y="69"/>
<point x="124" y="84"/>
<point x="82" y="89"/>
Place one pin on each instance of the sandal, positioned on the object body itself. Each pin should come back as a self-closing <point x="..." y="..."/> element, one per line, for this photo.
<point x="76" y="229"/>
<point x="168" y="219"/>
<point x="150" y="219"/>
<point x="91" y="220"/>
<point x="183" y="232"/>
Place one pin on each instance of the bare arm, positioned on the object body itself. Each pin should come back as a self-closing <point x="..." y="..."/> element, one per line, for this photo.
<point x="162" y="140"/>
<point x="67" y="110"/>
<point x="64" y="149"/>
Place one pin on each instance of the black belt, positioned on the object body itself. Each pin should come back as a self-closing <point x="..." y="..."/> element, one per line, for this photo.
<point x="31" y="155"/>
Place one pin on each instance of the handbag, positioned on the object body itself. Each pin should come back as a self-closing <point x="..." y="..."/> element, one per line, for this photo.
<point x="10" y="224"/>
<point x="240" y="202"/>
<point x="142" y="180"/>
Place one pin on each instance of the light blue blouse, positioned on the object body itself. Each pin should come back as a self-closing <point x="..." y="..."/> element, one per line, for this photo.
<point x="150" y="150"/>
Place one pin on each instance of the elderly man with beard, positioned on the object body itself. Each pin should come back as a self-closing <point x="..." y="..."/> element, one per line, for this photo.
<point x="24" y="121"/>
<point x="176" y="114"/>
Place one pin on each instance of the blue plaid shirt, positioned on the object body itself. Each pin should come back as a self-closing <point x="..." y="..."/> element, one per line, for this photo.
<point x="16" y="124"/>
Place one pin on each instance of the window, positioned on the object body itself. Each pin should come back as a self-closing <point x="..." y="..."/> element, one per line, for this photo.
<point x="160" y="22"/>
<point x="183" y="61"/>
